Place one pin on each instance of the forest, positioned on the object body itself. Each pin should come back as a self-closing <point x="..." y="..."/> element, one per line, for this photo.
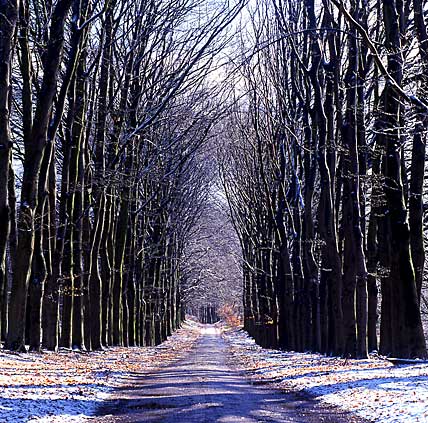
<point x="104" y="107"/>
<point x="143" y="142"/>
<point x="324" y="171"/>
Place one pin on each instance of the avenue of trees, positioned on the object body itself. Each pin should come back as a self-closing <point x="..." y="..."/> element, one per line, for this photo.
<point x="103" y="107"/>
<point x="130" y="132"/>
<point x="323" y="163"/>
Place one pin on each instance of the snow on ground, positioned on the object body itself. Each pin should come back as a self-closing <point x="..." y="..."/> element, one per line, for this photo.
<point x="68" y="386"/>
<point x="209" y="330"/>
<point x="374" y="389"/>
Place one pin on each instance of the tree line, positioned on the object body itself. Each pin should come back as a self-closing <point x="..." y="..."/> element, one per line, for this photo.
<point x="324" y="169"/>
<point x="103" y="109"/>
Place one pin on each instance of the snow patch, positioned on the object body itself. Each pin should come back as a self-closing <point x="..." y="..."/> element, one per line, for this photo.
<point x="374" y="389"/>
<point x="209" y="330"/>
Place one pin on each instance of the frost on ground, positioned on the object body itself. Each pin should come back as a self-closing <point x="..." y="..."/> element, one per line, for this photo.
<point x="374" y="389"/>
<point x="68" y="386"/>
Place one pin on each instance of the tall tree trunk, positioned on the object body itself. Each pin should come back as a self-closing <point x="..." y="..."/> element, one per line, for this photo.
<point x="8" y="20"/>
<point x="418" y="157"/>
<point x="354" y="264"/>
<point x="77" y="184"/>
<point x="331" y="262"/>
<point x="101" y="203"/>
<point x="34" y="151"/>
<point x="408" y="336"/>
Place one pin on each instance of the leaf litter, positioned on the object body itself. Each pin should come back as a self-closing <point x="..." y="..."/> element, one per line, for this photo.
<point x="68" y="386"/>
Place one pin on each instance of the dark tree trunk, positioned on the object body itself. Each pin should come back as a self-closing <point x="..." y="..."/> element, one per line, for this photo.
<point x="408" y="336"/>
<point x="34" y="150"/>
<point x="8" y="20"/>
<point x="418" y="157"/>
<point x="354" y="265"/>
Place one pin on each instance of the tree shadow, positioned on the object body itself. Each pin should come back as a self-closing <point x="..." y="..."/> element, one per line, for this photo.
<point x="197" y="396"/>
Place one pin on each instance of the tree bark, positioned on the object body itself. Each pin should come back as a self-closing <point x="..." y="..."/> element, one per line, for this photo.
<point x="34" y="150"/>
<point x="8" y="20"/>
<point x="408" y="336"/>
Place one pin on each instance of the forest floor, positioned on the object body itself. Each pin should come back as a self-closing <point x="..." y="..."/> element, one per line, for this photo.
<point x="203" y="374"/>
<point x="374" y="389"/>
<point x="69" y="386"/>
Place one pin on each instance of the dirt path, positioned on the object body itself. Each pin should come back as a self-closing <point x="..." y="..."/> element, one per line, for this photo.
<point x="203" y="387"/>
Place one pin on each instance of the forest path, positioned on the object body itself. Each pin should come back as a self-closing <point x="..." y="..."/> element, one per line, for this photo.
<point x="205" y="387"/>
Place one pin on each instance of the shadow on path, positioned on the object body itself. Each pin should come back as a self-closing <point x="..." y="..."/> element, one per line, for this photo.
<point x="203" y="388"/>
